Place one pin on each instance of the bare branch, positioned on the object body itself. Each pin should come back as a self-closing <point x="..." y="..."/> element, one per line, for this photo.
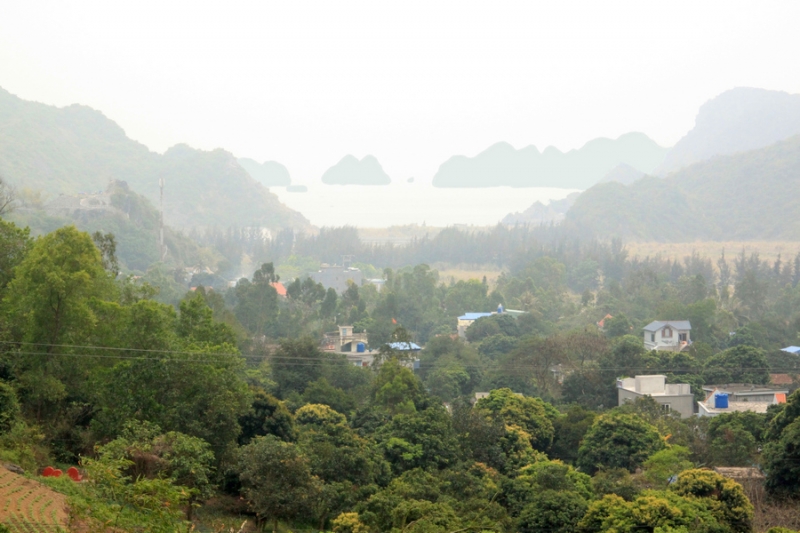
<point x="7" y="197"/>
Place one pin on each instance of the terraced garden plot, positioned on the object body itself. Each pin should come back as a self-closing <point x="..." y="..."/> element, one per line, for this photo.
<point x="29" y="507"/>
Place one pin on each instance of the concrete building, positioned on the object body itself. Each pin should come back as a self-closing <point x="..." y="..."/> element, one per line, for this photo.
<point x="352" y="345"/>
<point x="336" y="277"/>
<point x="344" y="340"/>
<point x="739" y="397"/>
<point x="671" y="335"/>
<point x="675" y="397"/>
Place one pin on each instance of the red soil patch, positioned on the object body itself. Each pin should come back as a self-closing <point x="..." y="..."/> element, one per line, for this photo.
<point x="26" y="505"/>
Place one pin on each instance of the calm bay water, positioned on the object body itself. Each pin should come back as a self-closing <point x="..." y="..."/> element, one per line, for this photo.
<point x="400" y="204"/>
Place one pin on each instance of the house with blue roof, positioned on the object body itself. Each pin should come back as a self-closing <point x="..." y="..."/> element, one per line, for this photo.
<point x="466" y="320"/>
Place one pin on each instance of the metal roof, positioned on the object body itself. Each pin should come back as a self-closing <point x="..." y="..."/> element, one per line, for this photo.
<point x="744" y="389"/>
<point x="404" y="346"/>
<point x="736" y="407"/>
<point x="791" y="349"/>
<point x="473" y="316"/>
<point x="656" y="325"/>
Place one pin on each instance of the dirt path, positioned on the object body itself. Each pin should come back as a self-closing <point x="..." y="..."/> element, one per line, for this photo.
<point x="28" y="506"/>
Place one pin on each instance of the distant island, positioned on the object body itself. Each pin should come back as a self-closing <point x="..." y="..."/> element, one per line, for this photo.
<point x="351" y="171"/>
<point x="268" y="173"/>
<point x="503" y="165"/>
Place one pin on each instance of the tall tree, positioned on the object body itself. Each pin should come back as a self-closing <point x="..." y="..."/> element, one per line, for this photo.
<point x="618" y="440"/>
<point x="276" y="480"/>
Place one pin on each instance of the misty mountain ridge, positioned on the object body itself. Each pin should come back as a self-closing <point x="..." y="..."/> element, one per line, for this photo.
<point x="746" y="196"/>
<point x="624" y="174"/>
<point x="737" y="120"/>
<point x="77" y="149"/>
<point x="503" y="165"/>
<point x="540" y="213"/>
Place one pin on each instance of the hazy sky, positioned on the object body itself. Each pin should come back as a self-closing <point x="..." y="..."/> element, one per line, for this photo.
<point x="412" y="83"/>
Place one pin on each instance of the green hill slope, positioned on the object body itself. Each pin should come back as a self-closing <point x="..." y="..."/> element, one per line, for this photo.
<point x="752" y="195"/>
<point x="77" y="149"/>
<point x="130" y="217"/>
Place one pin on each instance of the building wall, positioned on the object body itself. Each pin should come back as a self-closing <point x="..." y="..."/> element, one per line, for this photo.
<point x="665" y="343"/>
<point x="336" y="277"/>
<point x="683" y="404"/>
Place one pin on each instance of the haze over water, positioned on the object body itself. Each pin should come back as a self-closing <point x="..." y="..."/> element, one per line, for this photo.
<point x="410" y="203"/>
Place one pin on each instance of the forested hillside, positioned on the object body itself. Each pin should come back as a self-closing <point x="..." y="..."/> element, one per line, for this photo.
<point x="130" y="217"/>
<point x="738" y="197"/>
<point x="77" y="149"/>
<point x="223" y="412"/>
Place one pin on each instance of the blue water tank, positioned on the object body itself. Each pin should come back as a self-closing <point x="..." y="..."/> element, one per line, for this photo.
<point x="721" y="400"/>
<point x="360" y="348"/>
<point x="500" y="309"/>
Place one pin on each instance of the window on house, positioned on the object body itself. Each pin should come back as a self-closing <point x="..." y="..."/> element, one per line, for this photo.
<point x="682" y="337"/>
<point x="667" y="408"/>
<point x="667" y="333"/>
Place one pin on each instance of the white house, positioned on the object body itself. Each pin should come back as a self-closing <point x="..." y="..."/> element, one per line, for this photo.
<point x="671" y="335"/>
<point x="676" y="397"/>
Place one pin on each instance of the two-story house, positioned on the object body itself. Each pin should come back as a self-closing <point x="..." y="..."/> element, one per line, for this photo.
<point x="670" y="335"/>
<point x="673" y="397"/>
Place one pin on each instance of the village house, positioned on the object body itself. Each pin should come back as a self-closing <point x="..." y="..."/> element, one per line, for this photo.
<point x="670" y="335"/>
<point x="279" y="287"/>
<point x="337" y="277"/>
<point x="674" y="397"/>
<point x="467" y="319"/>
<point x="740" y="397"/>
<point x="355" y="347"/>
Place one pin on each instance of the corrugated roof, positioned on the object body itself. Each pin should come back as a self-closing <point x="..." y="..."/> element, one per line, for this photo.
<point x="404" y="346"/>
<point x="739" y="472"/>
<point x="656" y="325"/>
<point x="744" y="389"/>
<point x="780" y="379"/>
<point x="473" y="316"/>
<point x="737" y="407"/>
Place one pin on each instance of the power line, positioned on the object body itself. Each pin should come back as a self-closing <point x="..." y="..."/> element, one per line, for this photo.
<point x="326" y="358"/>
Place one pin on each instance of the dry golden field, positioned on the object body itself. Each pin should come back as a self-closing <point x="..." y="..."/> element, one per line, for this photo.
<point x="457" y="273"/>
<point x="767" y="250"/>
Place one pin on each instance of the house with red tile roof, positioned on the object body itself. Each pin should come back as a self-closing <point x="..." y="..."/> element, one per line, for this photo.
<point x="279" y="288"/>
